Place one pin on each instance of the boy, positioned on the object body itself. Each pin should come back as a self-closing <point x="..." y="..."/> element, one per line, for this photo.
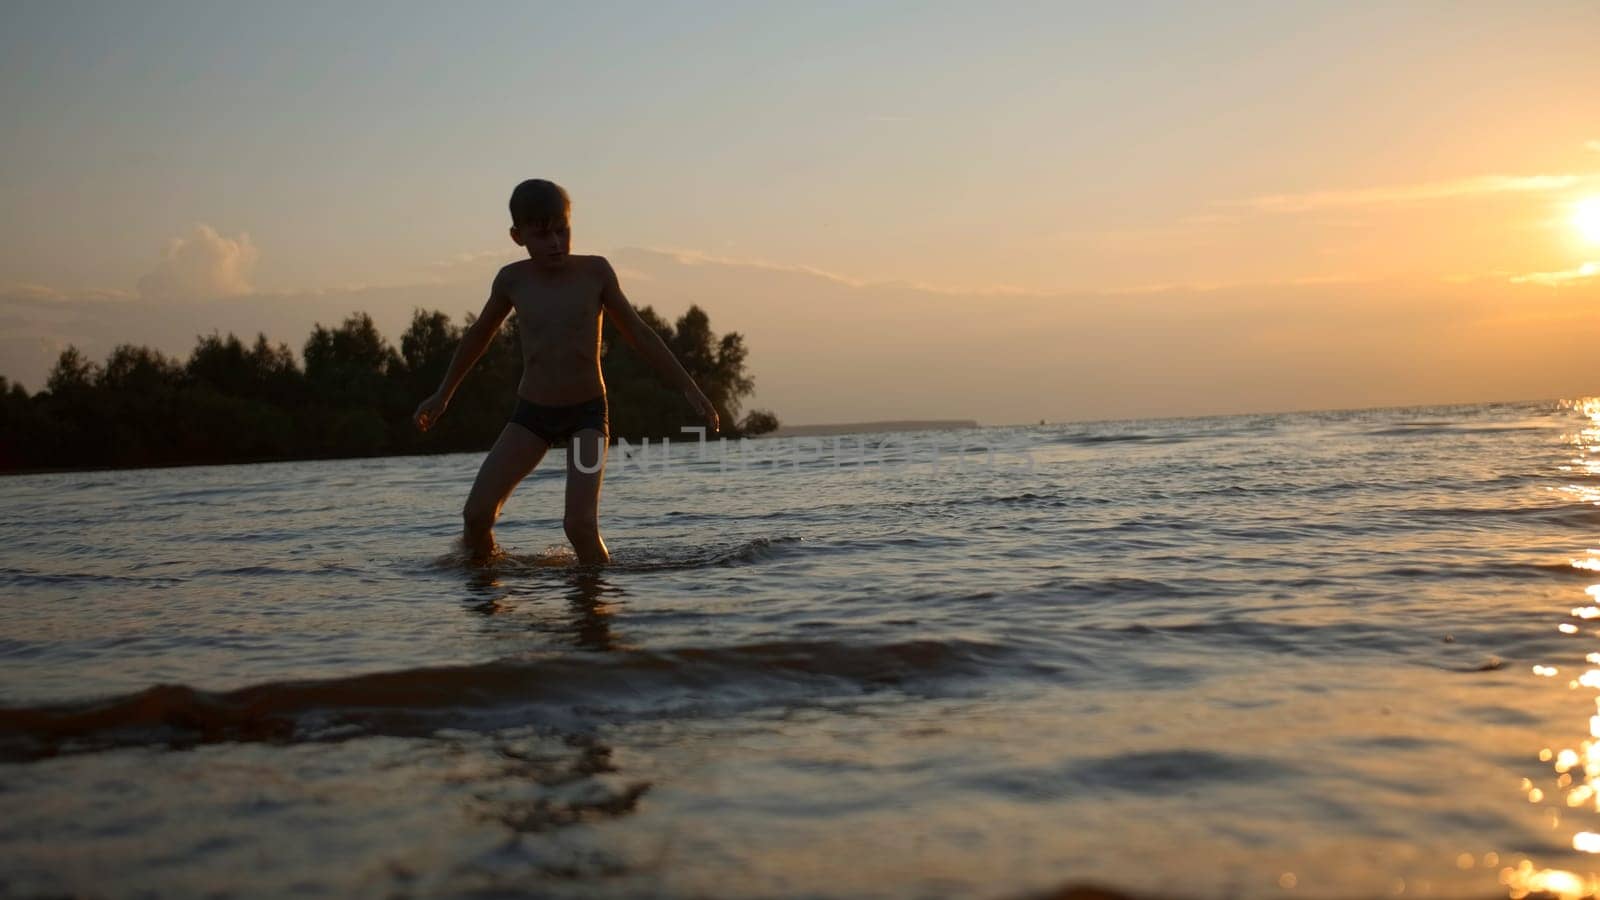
<point x="559" y="299"/>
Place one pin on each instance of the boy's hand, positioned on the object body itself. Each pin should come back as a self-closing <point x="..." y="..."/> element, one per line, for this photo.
<point x="702" y="405"/>
<point x="429" y="411"/>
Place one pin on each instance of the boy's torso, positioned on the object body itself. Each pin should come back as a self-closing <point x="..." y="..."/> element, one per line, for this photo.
<point x="558" y="316"/>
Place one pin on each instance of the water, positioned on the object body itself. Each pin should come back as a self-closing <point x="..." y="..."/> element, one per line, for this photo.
<point x="1331" y="655"/>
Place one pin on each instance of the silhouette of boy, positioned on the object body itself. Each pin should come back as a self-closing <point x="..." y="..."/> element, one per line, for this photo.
<point x="559" y="299"/>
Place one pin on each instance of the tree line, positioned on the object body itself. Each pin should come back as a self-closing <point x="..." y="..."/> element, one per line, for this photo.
<point x="233" y="401"/>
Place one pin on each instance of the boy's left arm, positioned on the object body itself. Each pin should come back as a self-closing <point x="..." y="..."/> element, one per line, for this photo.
<point x="644" y="339"/>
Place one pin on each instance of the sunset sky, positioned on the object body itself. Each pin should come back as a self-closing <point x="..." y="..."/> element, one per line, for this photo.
<point x="1004" y="213"/>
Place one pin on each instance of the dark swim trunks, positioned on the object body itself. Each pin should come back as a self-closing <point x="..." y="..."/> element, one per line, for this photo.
<point x="557" y="424"/>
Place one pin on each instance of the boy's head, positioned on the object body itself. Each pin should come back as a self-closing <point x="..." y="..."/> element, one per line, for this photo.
<point x="540" y="221"/>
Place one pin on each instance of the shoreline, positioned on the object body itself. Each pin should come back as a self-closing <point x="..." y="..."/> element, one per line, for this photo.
<point x="803" y="431"/>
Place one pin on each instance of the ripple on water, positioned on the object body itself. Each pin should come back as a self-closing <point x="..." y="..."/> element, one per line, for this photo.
<point x="1285" y="644"/>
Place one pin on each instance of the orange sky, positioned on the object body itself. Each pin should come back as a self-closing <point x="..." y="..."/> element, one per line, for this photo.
<point x="1060" y="213"/>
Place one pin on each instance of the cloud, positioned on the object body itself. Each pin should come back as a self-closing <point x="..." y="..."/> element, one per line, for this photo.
<point x="1410" y="193"/>
<point x="1585" y="272"/>
<point x="200" y="266"/>
<point x="471" y="263"/>
<point x="32" y="292"/>
<point x="824" y="348"/>
<point x="699" y="258"/>
<point x="44" y="295"/>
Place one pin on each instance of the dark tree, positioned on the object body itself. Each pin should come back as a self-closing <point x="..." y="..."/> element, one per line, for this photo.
<point x="262" y="372"/>
<point x="232" y="401"/>
<point x="642" y="406"/>
<point x="71" y="373"/>
<point x="758" y="421"/>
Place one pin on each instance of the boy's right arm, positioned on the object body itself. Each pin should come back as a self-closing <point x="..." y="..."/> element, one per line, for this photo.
<point x="644" y="339"/>
<point x="473" y="343"/>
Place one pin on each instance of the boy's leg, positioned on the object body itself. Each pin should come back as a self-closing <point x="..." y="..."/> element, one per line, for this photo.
<point x="586" y="466"/>
<point x="513" y="456"/>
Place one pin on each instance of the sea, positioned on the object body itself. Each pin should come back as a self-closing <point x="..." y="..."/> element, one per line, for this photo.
<point x="1324" y="654"/>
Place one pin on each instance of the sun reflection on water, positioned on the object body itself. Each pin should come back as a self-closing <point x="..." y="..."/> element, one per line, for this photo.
<point x="1577" y="770"/>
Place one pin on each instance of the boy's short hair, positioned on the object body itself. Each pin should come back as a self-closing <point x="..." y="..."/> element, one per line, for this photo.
<point x="539" y="202"/>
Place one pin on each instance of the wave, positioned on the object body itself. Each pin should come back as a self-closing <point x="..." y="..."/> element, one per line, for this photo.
<point x="1409" y="429"/>
<point x="699" y="557"/>
<point x="1572" y="515"/>
<point x="1258" y="636"/>
<point x="1094" y="440"/>
<point x="503" y="693"/>
<point x="29" y="577"/>
<point x="1152" y="772"/>
<point x="1516" y="571"/>
<point x="655" y="559"/>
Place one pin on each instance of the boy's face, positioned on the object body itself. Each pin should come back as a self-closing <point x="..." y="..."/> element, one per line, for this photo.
<point x="548" y="243"/>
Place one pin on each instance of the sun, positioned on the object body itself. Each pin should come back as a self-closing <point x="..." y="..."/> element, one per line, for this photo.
<point x="1586" y="218"/>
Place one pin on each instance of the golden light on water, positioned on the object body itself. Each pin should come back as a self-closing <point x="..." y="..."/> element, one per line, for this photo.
<point x="1586" y="218"/>
<point x="1578" y="768"/>
<point x="1524" y="879"/>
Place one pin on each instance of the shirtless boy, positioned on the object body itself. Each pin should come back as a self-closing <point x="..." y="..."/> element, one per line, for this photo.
<point x="559" y="299"/>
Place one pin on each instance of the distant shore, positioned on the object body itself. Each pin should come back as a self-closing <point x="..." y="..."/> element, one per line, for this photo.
<point x="791" y="431"/>
<point x="869" y="427"/>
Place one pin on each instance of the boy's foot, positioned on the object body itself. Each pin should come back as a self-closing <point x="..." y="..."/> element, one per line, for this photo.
<point x="482" y="551"/>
